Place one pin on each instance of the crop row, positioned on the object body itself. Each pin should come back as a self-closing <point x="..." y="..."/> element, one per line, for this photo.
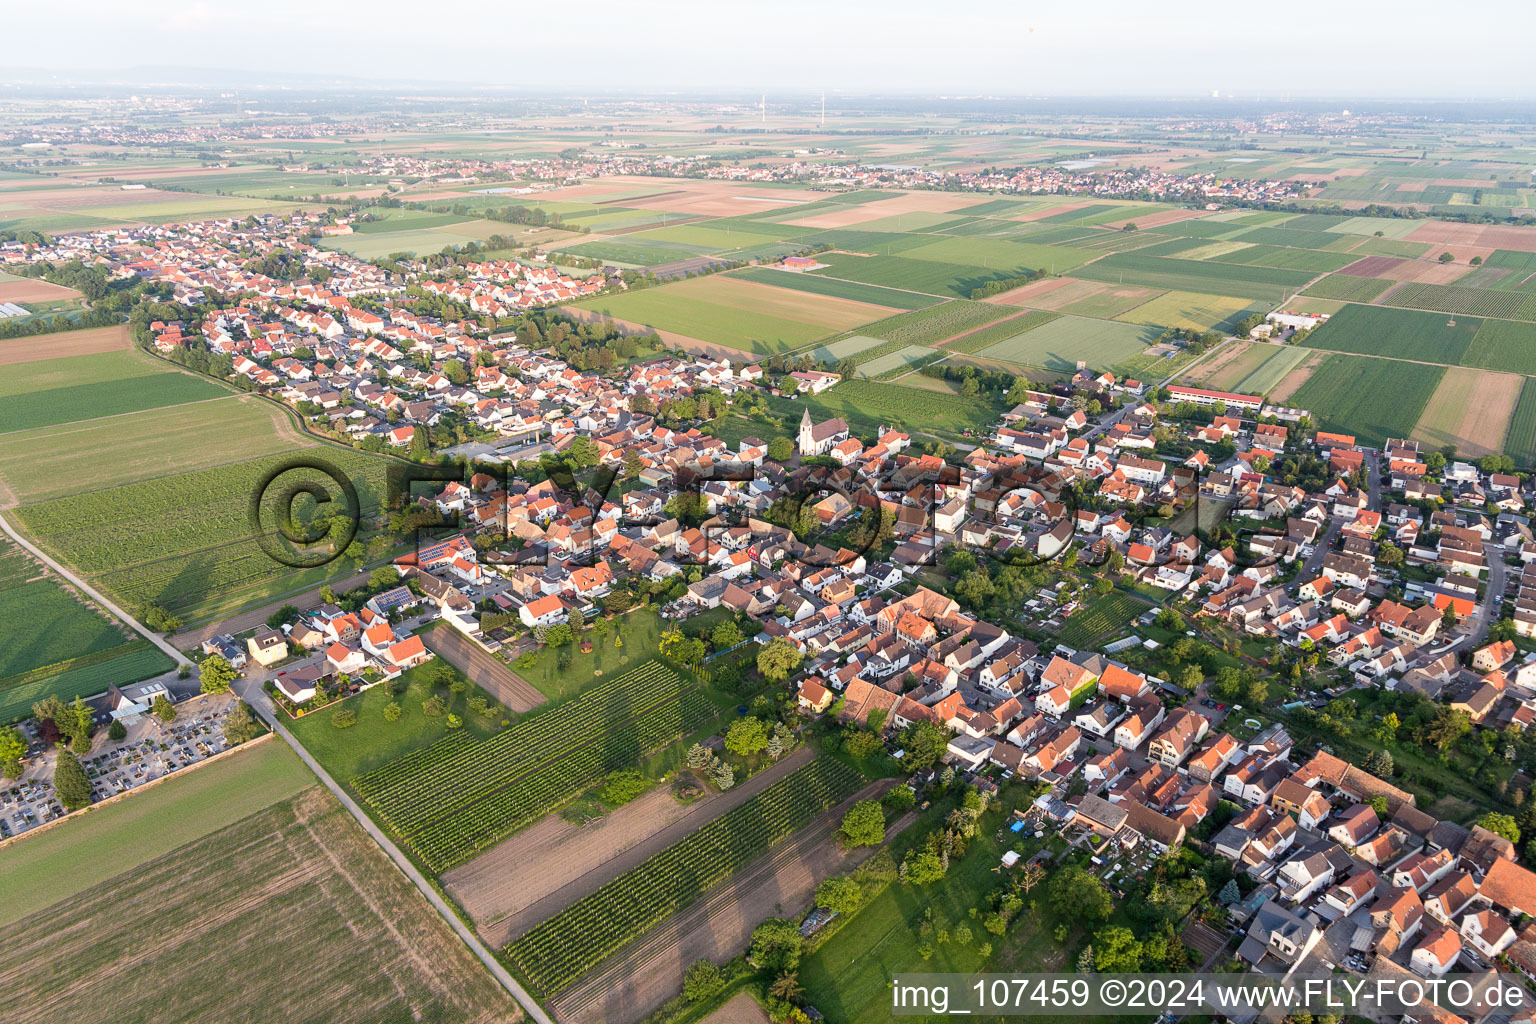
<point x="414" y="790"/>
<point x="451" y="841"/>
<point x="1466" y="301"/>
<point x="589" y="931"/>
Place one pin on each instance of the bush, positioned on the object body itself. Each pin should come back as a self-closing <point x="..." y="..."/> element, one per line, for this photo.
<point x="70" y="784"/>
<point x="432" y="707"/>
<point x="622" y="787"/>
<point x="702" y="981"/>
<point x="392" y="711"/>
<point x="344" y="718"/>
<point x="239" y="725"/>
<point x="117" y="731"/>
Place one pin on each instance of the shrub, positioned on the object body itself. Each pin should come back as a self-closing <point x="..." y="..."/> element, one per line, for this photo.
<point x="344" y="718"/>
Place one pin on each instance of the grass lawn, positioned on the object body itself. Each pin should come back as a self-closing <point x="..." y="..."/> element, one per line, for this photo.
<point x="348" y="753"/>
<point x="640" y="630"/>
<point x="53" y="865"/>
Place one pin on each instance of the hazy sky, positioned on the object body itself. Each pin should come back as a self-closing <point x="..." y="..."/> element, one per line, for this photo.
<point x="1414" y="48"/>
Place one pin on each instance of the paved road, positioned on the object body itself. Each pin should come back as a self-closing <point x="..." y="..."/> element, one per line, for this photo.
<point x="250" y="690"/>
<point x="94" y="594"/>
<point x="1488" y="612"/>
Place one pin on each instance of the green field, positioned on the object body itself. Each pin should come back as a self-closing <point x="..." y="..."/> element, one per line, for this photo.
<point x="1520" y="443"/>
<point x="892" y="297"/>
<point x="1346" y="286"/>
<point x="186" y="539"/>
<point x="933" y="324"/>
<point x="1374" y="399"/>
<point x="1503" y="345"/>
<point x="51" y="643"/>
<point x="1001" y="331"/>
<point x="419" y="241"/>
<point x="668" y="309"/>
<point x="892" y="364"/>
<point x="1060" y="343"/>
<point x="1262" y="378"/>
<point x="1382" y="331"/>
<point x="947" y="279"/>
<point x="1099" y="620"/>
<point x="1267" y="283"/>
<point x="48" y="462"/>
<point x="1469" y="301"/>
<point x="867" y="404"/>
<point x="1000" y="254"/>
<point x="56" y="864"/>
<point x="1192" y="311"/>
<point x="51" y="391"/>
<point x="1290" y="259"/>
<point x="635" y="252"/>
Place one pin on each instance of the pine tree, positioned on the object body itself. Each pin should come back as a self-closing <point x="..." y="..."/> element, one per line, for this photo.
<point x="1229" y="893"/>
<point x="1085" y="960"/>
<point x="70" y="784"/>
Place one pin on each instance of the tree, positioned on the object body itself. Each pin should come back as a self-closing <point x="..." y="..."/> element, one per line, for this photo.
<point x="1501" y="824"/>
<point x="781" y="449"/>
<point x="117" y="731"/>
<point x="392" y="711"/>
<point x="778" y="659"/>
<point x="1379" y="763"/>
<point x="726" y="635"/>
<point x="776" y="946"/>
<point x="70" y="785"/>
<point x="702" y="980"/>
<point x="164" y="709"/>
<point x="1446" y="257"/>
<point x="217" y="674"/>
<point x="925" y="744"/>
<point x="1116" y="950"/>
<point x="239" y="725"/>
<point x="923" y="868"/>
<point x="746" y="737"/>
<point x="1077" y="895"/>
<point x="12" y="747"/>
<point x="383" y="578"/>
<point x="432" y="707"/>
<point x="282" y="615"/>
<point x="421" y="444"/>
<point x="864" y="824"/>
<point x="786" y="987"/>
<point x="344" y="718"/>
<point x="840" y="894"/>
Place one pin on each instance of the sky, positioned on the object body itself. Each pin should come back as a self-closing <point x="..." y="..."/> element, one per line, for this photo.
<point x="1412" y="48"/>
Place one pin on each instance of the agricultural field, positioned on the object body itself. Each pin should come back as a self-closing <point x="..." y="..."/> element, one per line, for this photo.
<point x="1374" y="399"/>
<point x="1280" y="256"/>
<point x="459" y="796"/>
<point x="866" y="404"/>
<point x="893" y="298"/>
<point x="1192" y="311"/>
<point x="297" y="882"/>
<point x="999" y="332"/>
<point x="92" y="341"/>
<point x="1503" y="345"/>
<point x="1222" y="370"/>
<point x="1400" y="333"/>
<point x="1270" y="284"/>
<point x="53" y="644"/>
<point x="899" y="361"/>
<point x="148" y="541"/>
<point x="1345" y="286"/>
<point x="57" y="863"/>
<point x="1265" y="377"/>
<point x="933" y="324"/>
<point x="49" y="462"/>
<point x="951" y="280"/>
<point x="1520" y="441"/>
<point x="1508" y="305"/>
<point x="43" y="393"/>
<point x="1469" y="411"/>
<point x="738" y="314"/>
<point x="1000" y="254"/>
<point x="565" y="947"/>
<point x="376" y="245"/>
<point x="1058" y="344"/>
<point x="1099" y="620"/>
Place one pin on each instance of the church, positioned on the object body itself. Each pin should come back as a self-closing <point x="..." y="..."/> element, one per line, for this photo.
<point x="820" y="438"/>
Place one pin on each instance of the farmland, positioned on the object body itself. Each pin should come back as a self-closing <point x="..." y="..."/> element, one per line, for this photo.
<point x="866" y="403"/>
<point x="1374" y="399"/>
<point x="1058" y="344"/>
<point x="935" y="323"/>
<point x="1271" y="284"/>
<point x="1521" y="439"/>
<point x="49" y="462"/>
<point x="560" y="950"/>
<point x="952" y="280"/>
<point x="873" y="294"/>
<point x="1344" y="286"/>
<point x="1503" y="345"/>
<point x="1469" y="411"/>
<point x="1099" y="620"/>
<point x="297" y="882"/>
<point x="1404" y="334"/>
<point x="1191" y="311"/>
<point x="997" y="333"/>
<point x="47" y="392"/>
<point x="51" y="643"/>
<point x="57" y="863"/>
<point x="1468" y="301"/>
<point x="64" y="343"/>
<point x="457" y="797"/>
<point x="185" y="539"/>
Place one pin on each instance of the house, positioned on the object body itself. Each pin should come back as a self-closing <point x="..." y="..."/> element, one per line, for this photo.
<point x="1279" y="935"/>
<point x="1354" y="826"/>
<point x="546" y="611"/>
<point x="1176" y="740"/>
<point x="1487" y="932"/>
<point x="814" y="696"/>
<point x="1100" y="815"/>
<point x="267" y="647"/>
<point x="1300" y="878"/>
<point x="1436" y="953"/>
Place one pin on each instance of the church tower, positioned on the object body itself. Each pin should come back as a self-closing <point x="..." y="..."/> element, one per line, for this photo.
<point x="807" y="440"/>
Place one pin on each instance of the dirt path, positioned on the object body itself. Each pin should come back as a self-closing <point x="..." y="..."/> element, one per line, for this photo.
<point x="720" y="926"/>
<point x="195" y="635"/>
<point x="526" y="881"/>
<point x="483" y="667"/>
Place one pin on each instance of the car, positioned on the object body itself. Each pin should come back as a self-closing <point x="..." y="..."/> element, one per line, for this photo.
<point x="1221" y="707"/>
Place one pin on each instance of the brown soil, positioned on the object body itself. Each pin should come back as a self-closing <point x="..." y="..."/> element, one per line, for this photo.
<point x="1470" y="410"/>
<point x="1032" y="294"/>
<point x="544" y="869"/>
<point x="34" y="291"/>
<point x="634" y="984"/>
<point x="483" y="667"/>
<point x="739" y="1009"/>
<point x="1291" y="382"/>
<point x="1375" y="266"/>
<point x="1493" y="236"/>
<point x="65" y="343"/>
<point x="1156" y="219"/>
